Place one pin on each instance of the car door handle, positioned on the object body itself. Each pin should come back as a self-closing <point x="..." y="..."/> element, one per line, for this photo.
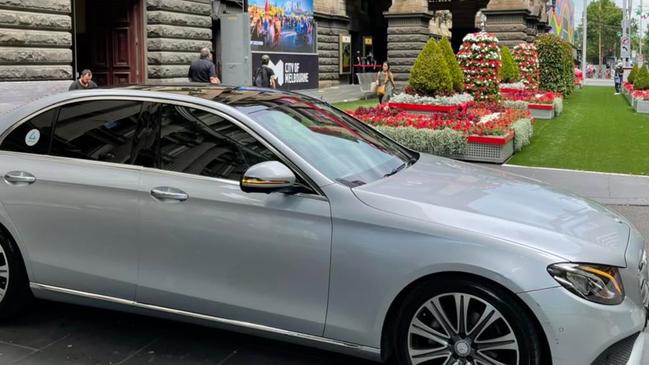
<point x="167" y="193"/>
<point x="19" y="177"/>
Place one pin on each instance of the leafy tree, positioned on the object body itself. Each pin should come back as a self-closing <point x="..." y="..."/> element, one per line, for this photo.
<point x="457" y="75"/>
<point x="633" y="73"/>
<point x="604" y="24"/>
<point x="555" y="63"/>
<point x="430" y="75"/>
<point x="509" y="70"/>
<point x="641" y="81"/>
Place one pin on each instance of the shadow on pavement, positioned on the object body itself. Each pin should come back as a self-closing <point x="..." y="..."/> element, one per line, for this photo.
<point x="54" y="333"/>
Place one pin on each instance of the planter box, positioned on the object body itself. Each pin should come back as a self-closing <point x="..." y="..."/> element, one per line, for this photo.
<point x="629" y="97"/>
<point x="642" y="106"/>
<point x="495" y="149"/>
<point x="428" y="108"/>
<point x="541" y="111"/>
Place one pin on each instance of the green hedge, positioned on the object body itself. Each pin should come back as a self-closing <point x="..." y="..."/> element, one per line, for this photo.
<point x="430" y="74"/>
<point x="441" y="142"/>
<point x="555" y="63"/>
<point x="457" y="75"/>
<point x="509" y="71"/>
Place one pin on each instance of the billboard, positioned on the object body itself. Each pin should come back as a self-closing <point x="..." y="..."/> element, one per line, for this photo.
<point x="293" y="71"/>
<point x="285" y="26"/>
<point x="562" y="20"/>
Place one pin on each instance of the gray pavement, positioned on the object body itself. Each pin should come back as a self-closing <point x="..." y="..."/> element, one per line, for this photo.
<point x="606" y="188"/>
<point x="338" y="94"/>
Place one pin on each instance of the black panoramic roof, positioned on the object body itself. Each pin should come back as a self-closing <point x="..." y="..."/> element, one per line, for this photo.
<point x="239" y="97"/>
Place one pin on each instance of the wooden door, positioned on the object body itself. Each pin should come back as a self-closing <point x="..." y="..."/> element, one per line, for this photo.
<point x="117" y="50"/>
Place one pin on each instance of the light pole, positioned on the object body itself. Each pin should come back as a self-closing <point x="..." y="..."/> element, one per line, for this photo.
<point x="584" y="37"/>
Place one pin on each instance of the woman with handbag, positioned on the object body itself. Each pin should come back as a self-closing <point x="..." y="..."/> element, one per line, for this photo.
<point x="385" y="83"/>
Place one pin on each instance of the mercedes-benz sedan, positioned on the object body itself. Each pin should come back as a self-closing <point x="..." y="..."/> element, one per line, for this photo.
<point x="275" y="214"/>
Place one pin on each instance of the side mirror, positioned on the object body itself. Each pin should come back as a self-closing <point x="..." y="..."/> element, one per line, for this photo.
<point x="267" y="177"/>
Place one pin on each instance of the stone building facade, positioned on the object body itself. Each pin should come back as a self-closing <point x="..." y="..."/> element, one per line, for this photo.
<point x="37" y="38"/>
<point x="408" y="24"/>
<point x="132" y="41"/>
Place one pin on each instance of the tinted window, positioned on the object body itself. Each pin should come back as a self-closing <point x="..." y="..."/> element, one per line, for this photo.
<point x="339" y="146"/>
<point x="32" y="136"/>
<point x="146" y="142"/>
<point x="97" y="130"/>
<point x="201" y="143"/>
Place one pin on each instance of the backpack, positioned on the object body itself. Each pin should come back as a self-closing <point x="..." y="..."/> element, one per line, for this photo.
<point x="261" y="78"/>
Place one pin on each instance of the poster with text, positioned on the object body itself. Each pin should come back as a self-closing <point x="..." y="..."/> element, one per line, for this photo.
<point x="292" y="71"/>
<point x="282" y="26"/>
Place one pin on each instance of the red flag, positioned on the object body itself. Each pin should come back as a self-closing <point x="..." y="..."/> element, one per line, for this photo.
<point x="267" y="9"/>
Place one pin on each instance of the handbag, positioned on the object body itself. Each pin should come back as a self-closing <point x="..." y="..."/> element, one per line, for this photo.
<point x="380" y="90"/>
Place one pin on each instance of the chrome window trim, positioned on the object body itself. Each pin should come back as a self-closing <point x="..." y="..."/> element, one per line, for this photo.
<point x="375" y="352"/>
<point x="161" y="100"/>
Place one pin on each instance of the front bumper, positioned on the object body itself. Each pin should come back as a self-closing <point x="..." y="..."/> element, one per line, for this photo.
<point x="579" y="331"/>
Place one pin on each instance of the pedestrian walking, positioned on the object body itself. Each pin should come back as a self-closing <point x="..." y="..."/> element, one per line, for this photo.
<point x="385" y="83"/>
<point x="265" y="76"/>
<point x="84" y="81"/>
<point x="203" y="69"/>
<point x="619" y="75"/>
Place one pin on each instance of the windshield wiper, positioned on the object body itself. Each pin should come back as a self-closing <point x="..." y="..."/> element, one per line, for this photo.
<point x="399" y="168"/>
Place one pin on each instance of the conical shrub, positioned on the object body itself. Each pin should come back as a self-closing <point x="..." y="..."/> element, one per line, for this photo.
<point x="641" y="81"/>
<point x="457" y="75"/>
<point x="632" y="74"/>
<point x="509" y="71"/>
<point x="430" y="75"/>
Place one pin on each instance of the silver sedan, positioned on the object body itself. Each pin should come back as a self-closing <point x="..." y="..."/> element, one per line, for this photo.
<point x="275" y="214"/>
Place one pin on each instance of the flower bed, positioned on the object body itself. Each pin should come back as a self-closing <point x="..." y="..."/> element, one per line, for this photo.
<point x="640" y="101"/>
<point x="485" y="128"/>
<point x="542" y="104"/>
<point x="429" y="104"/>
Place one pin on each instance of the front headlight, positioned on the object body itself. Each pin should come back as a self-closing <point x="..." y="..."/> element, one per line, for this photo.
<point x="597" y="283"/>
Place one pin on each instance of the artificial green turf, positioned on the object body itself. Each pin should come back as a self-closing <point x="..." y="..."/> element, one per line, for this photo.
<point x="597" y="131"/>
<point x="352" y="105"/>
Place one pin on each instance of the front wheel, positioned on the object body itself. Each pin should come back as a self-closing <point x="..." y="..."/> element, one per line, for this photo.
<point x="462" y="322"/>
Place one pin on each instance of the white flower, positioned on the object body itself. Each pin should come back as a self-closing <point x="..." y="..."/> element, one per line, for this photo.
<point x="489" y="118"/>
<point x="428" y="100"/>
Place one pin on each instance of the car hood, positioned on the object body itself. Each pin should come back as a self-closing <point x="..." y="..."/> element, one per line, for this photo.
<point x="502" y="205"/>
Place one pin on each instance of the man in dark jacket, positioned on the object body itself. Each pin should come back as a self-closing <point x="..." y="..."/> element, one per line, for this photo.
<point x="265" y="76"/>
<point x="619" y="76"/>
<point x="84" y="81"/>
<point x="203" y="70"/>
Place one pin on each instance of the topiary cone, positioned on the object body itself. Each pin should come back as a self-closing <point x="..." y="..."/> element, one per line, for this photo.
<point x="430" y="75"/>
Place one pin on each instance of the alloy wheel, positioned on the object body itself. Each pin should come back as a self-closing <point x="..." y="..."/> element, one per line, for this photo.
<point x="461" y="329"/>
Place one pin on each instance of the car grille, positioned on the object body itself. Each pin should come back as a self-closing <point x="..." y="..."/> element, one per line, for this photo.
<point x="618" y="354"/>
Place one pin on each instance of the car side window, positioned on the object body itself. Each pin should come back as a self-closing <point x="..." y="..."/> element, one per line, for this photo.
<point x="202" y="143"/>
<point x="97" y="130"/>
<point x="32" y="136"/>
<point x="146" y="142"/>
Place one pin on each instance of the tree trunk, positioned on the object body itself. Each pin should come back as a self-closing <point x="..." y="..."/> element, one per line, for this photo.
<point x="600" y="37"/>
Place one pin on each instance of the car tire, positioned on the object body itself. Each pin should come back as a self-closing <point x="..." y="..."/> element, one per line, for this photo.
<point x="428" y="326"/>
<point x="14" y="285"/>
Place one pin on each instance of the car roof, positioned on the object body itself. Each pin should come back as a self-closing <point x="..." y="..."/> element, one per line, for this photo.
<point x="232" y="100"/>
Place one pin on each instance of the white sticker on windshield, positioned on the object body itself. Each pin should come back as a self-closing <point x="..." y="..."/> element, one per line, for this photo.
<point x="32" y="137"/>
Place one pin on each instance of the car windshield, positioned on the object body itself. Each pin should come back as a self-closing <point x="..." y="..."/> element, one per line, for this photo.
<point x="342" y="148"/>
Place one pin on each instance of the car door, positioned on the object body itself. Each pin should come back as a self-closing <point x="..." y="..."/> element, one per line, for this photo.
<point x="209" y="248"/>
<point x="76" y="210"/>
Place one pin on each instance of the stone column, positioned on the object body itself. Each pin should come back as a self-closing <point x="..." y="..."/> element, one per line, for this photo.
<point x="331" y="21"/>
<point x="176" y="31"/>
<point x="35" y="40"/>
<point x="511" y="21"/>
<point x="408" y="32"/>
<point x="329" y="28"/>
